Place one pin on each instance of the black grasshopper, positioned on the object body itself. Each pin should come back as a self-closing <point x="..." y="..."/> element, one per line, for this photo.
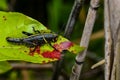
<point x="34" y="40"/>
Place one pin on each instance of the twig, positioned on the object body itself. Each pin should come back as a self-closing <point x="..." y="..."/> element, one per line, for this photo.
<point x="31" y="66"/>
<point x="69" y="28"/>
<point x="108" y="41"/>
<point x="115" y="71"/>
<point x="73" y="17"/>
<point x="25" y="74"/>
<point x="97" y="35"/>
<point x="112" y="43"/>
<point x="98" y="64"/>
<point x="85" y="39"/>
<point x="57" y="69"/>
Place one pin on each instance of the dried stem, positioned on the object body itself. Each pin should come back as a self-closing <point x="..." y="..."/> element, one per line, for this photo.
<point x="25" y="74"/>
<point x="73" y="17"/>
<point x="112" y="43"/>
<point x="31" y="66"/>
<point x="69" y="28"/>
<point x="57" y="69"/>
<point x="108" y="41"/>
<point x="85" y="39"/>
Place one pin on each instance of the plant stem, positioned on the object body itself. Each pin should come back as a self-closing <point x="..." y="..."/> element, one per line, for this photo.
<point x="57" y="69"/>
<point x="108" y="40"/>
<point x="69" y="28"/>
<point x="31" y="66"/>
<point x="73" y="17"/>
<point x="91" y="17"/>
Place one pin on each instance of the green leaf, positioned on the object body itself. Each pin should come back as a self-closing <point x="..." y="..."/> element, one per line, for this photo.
<point x="3" y="5"/>
<point x="12" y="24"/>
<point x="4" y="67"/>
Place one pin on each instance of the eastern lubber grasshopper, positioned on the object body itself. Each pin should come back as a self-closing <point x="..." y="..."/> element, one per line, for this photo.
<point x="34" y="40"/>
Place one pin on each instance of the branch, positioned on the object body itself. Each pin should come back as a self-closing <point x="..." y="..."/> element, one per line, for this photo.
<point x="85" y="39"/>
<point x="31" y="66"/>
<point x="73" y="17"/>
<point x="108" y="40"/>
<point x="69" y="28"/>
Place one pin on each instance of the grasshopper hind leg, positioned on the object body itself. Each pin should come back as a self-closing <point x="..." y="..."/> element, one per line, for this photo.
<point x="27" y="33"/>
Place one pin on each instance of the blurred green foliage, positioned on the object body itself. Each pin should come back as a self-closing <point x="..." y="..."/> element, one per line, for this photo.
<point x="4" y="66"/>
<point x="3" y="5"/>
<point x="58" y="13"/>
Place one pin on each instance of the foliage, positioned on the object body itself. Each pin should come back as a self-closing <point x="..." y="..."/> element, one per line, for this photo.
<point x="17" y="22"/>
<point x="3" y="5"/>
<point x="4" y="66"/>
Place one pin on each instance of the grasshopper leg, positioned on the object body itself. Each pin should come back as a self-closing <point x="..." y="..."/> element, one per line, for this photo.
<point x="27" y="33"/>
<point x="36" y="31"/>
